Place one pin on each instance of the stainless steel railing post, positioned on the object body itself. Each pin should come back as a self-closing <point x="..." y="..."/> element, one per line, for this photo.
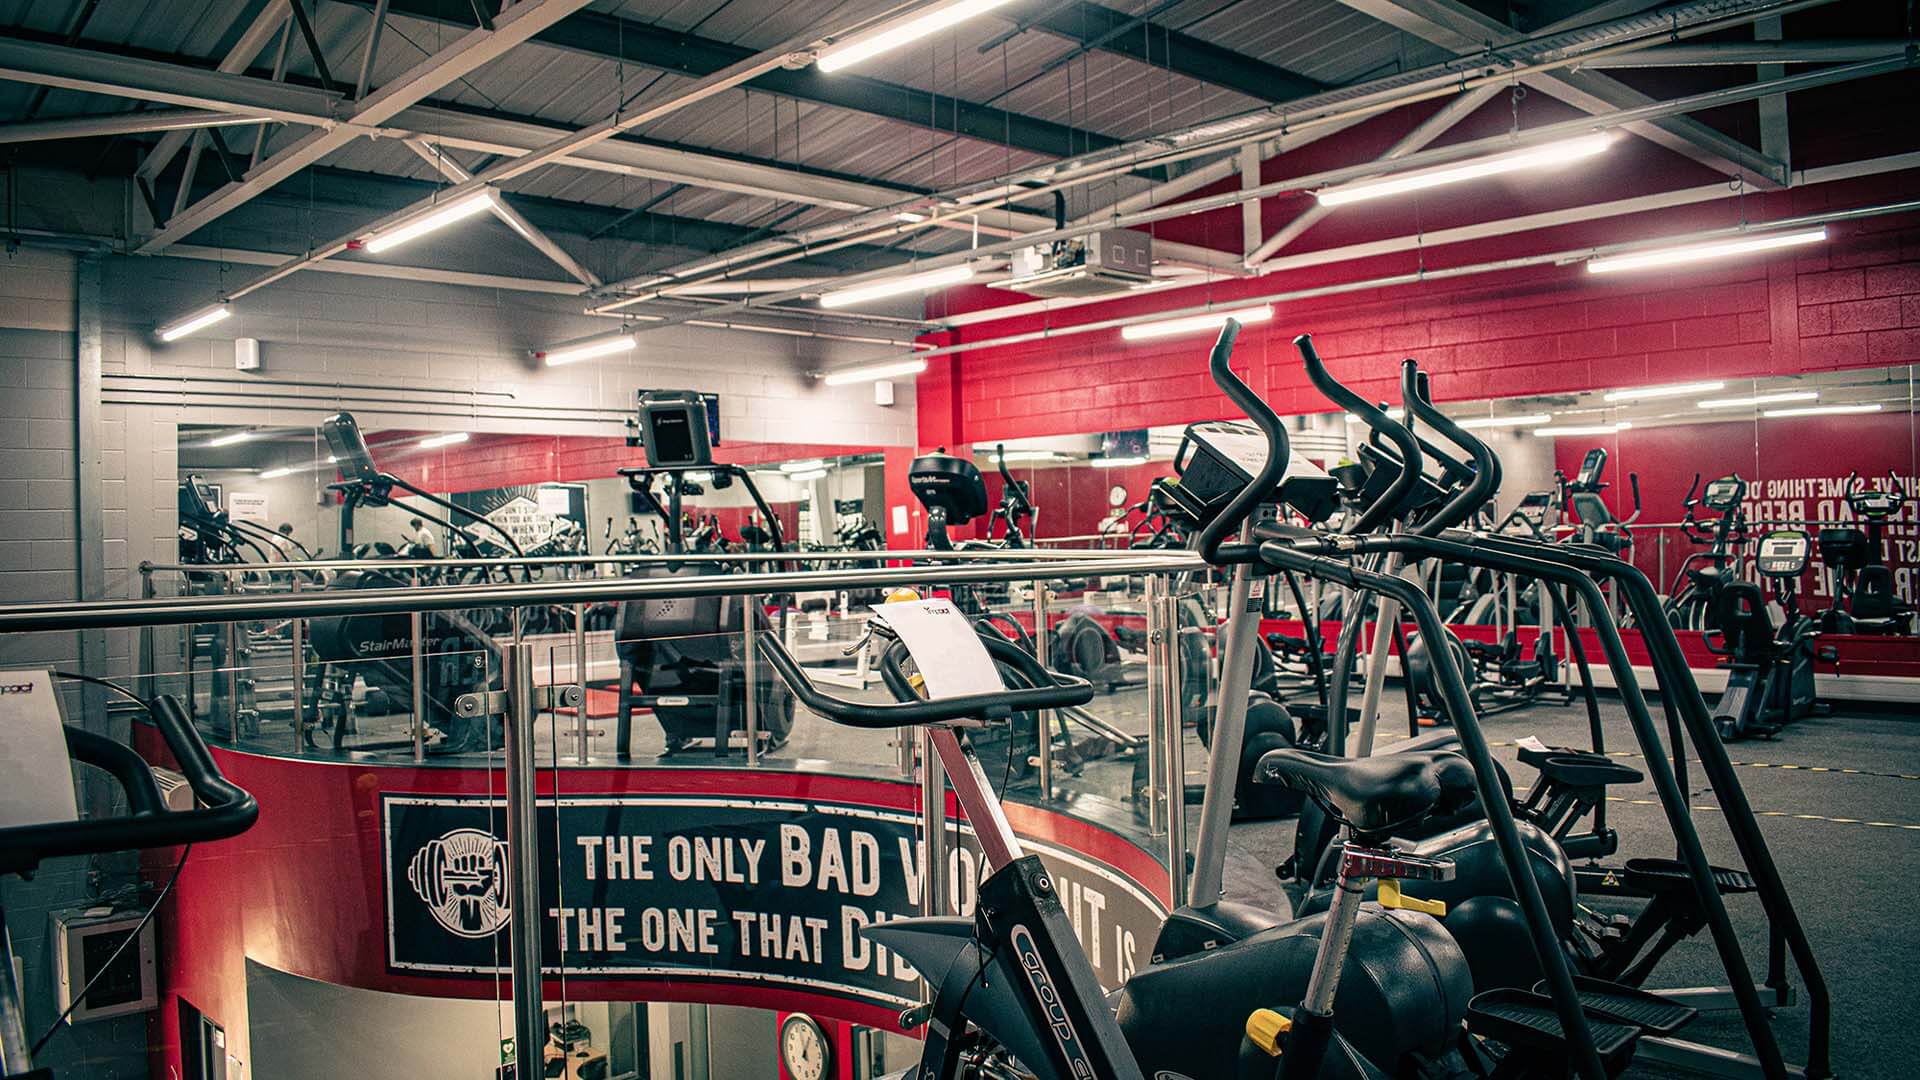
<point x="933" y="820"/>
<point x="580" y="678"/>
<point x="416" y="626"/>
<point x="297" y="630"/>
<point x="523" y="869"/>
<point x="1160" y="676"/>
<point x="1173" y="738"/>
<point x="1043" y="721"/>
<point x="751" y="666"/>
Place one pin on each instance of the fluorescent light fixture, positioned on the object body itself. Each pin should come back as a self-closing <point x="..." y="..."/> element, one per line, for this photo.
<point x="809" y="475"/>
<point x="1012" y="457"/>
<point x="1529" y="420"/>
<point x="229" y="440"/>
<point x="448" y="439"/>
<point x="587" y="350"/>
<point x="876" y="290"/>
<point x="870" y="372"/>
<point x="275" y="474"/>
<point x="1394" y="412"/>
<point x="1640" y="393"/>
<point x="1693" y="253"/>
<point x="331" y="460"/>
<point x="909" y="217"/>
<point x="460" y="210"/>
<point x="1759" y="399"/>
<point x="802" y="466"/>
<point x="199" y="320"/>
<point x="1824" y="410"/>
<point x="1532" y="157"/>
<point x="1116" y="462"/>
<point x="1584" y="429"/>
<point x="1195" y="323"/>
<point x="887" y="38"/>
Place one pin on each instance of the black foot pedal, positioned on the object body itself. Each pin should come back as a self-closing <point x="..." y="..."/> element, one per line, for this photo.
<point x="1664" y="876"/>
<point x="1529" y="1024"/>
<point x="1651" y="1013"/>
<point x="1580" y="768"/>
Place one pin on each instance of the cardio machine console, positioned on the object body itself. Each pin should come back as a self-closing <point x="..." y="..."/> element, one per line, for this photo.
<point x="1876" y="503"/>
<point x="1784" y="553"/>
<point x="1219" y="458"/>
<point x="1724" y="494"/>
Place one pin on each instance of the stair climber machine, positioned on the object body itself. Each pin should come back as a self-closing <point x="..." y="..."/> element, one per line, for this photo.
<point x="1364" y="990"/>
<point x="367" y="664"/>
<point x="685" y="658"/>
<point x="221" y="810"/>
<point x="1864" y="598"/>
<point x="1612" y="953"/>
<point x="1769" y="667"/>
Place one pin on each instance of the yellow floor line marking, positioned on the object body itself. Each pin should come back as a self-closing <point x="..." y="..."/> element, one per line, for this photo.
<point x="1709" y="808"/>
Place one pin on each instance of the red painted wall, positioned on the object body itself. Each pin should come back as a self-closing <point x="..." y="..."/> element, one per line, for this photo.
<point x="1853" y="302"/>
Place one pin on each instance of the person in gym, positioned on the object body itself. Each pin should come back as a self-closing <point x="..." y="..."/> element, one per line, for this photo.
<point x="424" y="546"/>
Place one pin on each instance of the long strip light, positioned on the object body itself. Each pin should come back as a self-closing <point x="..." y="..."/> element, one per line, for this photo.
<point x="1693" y="253"/>
<point x="229" y="440"/>
<point x="808" y="476"/>
<point x="809" y="465"/>
<point x="1016" y="456"/>
<point x="587" y="350"/>
<point x="275" y="474"/>
<point x="1532" y="157"/>
<point x="931" y="279"/>
<point x="1823" y="410"/>
<point x="1584" y="429"/>
<point x="459" y="210"/>
<point x="199" y="320"/>
<point x="870" y="372"/>
<point x="1758" y="399"/>
<point x="1529" y="420"/>
<point x="1116" y="462"/>
<point x="1641" y="393"/>
<point x="1213" y="320"/>
<point x="868" y="46"/>
<point x="448" y="439"/>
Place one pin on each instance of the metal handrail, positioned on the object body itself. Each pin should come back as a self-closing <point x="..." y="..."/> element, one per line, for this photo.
<point x="116" y="614"/>
<point x="843" y="555"/>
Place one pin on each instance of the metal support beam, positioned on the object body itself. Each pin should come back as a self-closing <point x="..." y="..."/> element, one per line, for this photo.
<point x="314" y="51"/>
<point x="374" y="29"/>
<point x="685" y="55"/>
<point x="1773" y="108"/>
<point x="1093" y="26"/>
<point x="1762" y="50"/>
<point x="1432" y="128"/>
<point x="128" y="123"/>
<point x="471" y="52"/>
<point x="518" y="19"/>
<point x="90" y="579"/>
<point x="90" y="71"/>
<point x="514" y="219"/>
<point x="1250" y="226"/>
<point x="268" y="22"/>
<point x="1453" y="25"/>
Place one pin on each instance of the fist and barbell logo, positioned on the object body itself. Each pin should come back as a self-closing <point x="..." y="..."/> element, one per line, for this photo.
<point x="462" y="878"/>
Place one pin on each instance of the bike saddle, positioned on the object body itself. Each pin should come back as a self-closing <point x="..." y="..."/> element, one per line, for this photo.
<point x="1371" y="793"/>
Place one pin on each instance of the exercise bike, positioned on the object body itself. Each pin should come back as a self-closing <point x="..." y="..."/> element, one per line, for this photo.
<point x="1770" y="669"/>
<point x="1864" y="598"/>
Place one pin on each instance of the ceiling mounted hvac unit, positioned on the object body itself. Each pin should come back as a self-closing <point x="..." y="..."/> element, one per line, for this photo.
<point x="1111" y="261"/>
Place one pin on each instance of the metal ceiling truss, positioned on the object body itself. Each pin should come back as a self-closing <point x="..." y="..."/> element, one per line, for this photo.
<point x="1092" y="26"/>
<point x="1494" y="66"/>
<point x="609" y="37"/>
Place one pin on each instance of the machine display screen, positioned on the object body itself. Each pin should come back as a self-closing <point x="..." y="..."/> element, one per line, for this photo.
<point x="672" y="437"/>
<point x="1783" y="547"/>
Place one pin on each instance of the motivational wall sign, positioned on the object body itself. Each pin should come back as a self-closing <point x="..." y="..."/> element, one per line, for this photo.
<point x="671" y="887"/>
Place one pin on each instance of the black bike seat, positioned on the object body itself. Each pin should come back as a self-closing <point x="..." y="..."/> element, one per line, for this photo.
<point x="1370" y="793"/>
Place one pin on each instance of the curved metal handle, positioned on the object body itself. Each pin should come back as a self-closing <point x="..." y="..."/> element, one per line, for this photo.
<point x="1369" y="413"/>
<point x="1486" y="464"/>
<point x="1228" y="521"/>
<point x="1051" y="690"/>
<point x="226" y="809"/>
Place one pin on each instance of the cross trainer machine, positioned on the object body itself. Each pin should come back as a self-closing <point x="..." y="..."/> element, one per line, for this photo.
<point x="1770" y="669"/>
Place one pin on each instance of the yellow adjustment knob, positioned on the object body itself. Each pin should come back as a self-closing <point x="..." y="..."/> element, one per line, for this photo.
<point x="1392" y="897"/>
<point x="917" y="681"/>
<point x="1266" y="1028"/>
<point x="899" y="596"/>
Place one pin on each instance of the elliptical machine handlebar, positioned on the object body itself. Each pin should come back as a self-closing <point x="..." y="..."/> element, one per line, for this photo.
<point x="1050" y="690"/>
<point x="1226" y="523"/>
<point x="1486" y="464"/>
<point x="1409" y="472"/>
<point x="226" y="809"/>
